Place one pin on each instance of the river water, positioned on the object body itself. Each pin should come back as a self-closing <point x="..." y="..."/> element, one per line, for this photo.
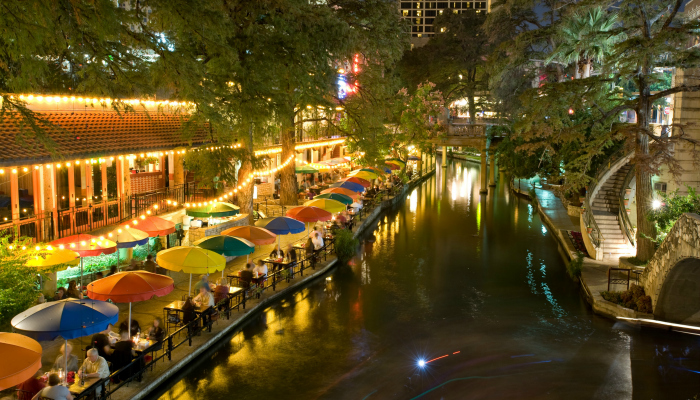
<point x="475" y="287"/>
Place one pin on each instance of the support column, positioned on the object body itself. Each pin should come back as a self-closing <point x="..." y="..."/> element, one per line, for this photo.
<point x="483" y="182"/>
<point x="48" y="181"/>
<point x="492" y="170"/>
<point x="14" y="193"/>
<point x="178" y="170"/>
<point x="444" y="156"/>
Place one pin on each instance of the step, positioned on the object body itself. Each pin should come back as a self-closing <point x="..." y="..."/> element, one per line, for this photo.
<point x="616" y="246"/>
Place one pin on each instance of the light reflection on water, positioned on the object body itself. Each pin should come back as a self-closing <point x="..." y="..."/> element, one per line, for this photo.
<point x="479" y="282"/>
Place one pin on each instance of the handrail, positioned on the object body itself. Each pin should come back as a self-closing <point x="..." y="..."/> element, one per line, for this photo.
<point x="625" y="222"/>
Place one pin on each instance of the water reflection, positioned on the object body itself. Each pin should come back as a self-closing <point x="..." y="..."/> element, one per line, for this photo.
<point x="477" y="290"/>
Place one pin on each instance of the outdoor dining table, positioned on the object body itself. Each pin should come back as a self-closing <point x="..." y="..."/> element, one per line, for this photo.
<point x="282" y="263"/>
<point x="76" y="388"/>
<point x="176" y="306"/>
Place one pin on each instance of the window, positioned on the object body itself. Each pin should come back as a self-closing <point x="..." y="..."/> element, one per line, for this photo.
<point x="80" y="184"/>
<point x="429" y="29"/>
<point x="62" y="191"/>
<point x="111" y="180"/>
<point x="416" y="29"/>
<point x="660" y="186"/>
<point x="442" y="4"/>
<point x="455" y="11"/>
<point x="429" y="21"/>
<point x="419" y="35"/>
<point x="5" y="197"/>
<point x="418" y="5"/>
<point x="430" y="5"/>
<point x="96" y="183"/>
<point x="468" y="5"/>
<point x="25" y="181"/>
<point x="406" y="5"/>
<point x="404" y="13"/>
<point x="418" y="21"/>
<point x="455" y="4"/>
<point x="430" y="13"/>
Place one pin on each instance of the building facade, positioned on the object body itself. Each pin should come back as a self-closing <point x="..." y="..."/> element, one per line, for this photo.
<point x="421" y="15"/>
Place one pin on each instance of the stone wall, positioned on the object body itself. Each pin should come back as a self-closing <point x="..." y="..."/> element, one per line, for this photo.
<point x="683" y="242"/>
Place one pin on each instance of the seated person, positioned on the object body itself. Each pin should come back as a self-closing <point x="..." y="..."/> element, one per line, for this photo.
<point x="123" y="354"/>
<point x="291" y="253"/>
<point x="112" y="270"/>
<point x="135" y="328"/>
<point x="54" y="390"/>
<point x="204" y="299"/>
<point x="189" y="314"/>
<point x="317" y="241"/>
<point x="260" y="269"/>
<point x="60" y="294"/>
<point x="94" y="366"/>
<point x="99" y="275"/>
<point x="156" y="332"/>
<point x="72" y="359"/>
<point x="133" y="266"/>
<point x="73" y="291"/>
<point x="277" y="253"/>
<point x="102" y="343"/>
<point x="203" y="283"/>
<point x="220" y="293"/>
<point x="150" y="265"/>
<point x="309" y="195"/>
<point x="29" y="388"/>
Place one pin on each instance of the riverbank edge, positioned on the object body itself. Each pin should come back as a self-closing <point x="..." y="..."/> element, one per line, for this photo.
<point x="598" y="304"/>
<point x="461" y="157"/>
<point x="369" y="221"/>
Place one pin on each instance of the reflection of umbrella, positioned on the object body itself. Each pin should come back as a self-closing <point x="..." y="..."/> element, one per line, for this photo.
<point x="350" y="186"/>
<point x="190" y="260"/>
<point x="305" y="169"/>
<point x="25" y="354"/>
<point x="228" y="246"/>
<point x="332" y="206"/>
<point x="254" y="234"/>
<point x="216" y="210"/>
<point x="354" y="179"/>
<point x="129" y="287"/>
<point x="343" y="191"/>
<point x="281" y="226"/>
<point x="67" y="318"/>
<point x="53" y="257"/>
<point x="154" y="226"/>
<point x="309" y="214"/>
<point x="345" y="199"/>
<point x="365" y="175"/>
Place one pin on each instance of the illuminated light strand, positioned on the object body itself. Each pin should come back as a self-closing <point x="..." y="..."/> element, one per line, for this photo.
<point x="278" y="149"/>
<point x="102" y="100"/>
<point x="437" y="358"/>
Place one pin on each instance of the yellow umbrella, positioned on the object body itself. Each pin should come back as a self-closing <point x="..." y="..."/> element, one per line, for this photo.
<point x="191" y="260"/>
<point x="330" y="205"/>
<point x="365" y="175"/>
<point x="52" y="257"/>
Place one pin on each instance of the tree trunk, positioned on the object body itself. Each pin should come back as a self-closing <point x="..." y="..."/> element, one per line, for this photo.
<point x="587" y="64"/>
<point x="245" y="194"/>
<point x="288" y="182"/>
<point x="472" y="107"/>
<point x="645" y="247"/>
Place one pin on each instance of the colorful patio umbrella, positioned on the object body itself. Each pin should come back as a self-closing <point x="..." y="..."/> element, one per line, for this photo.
<point x="355" y="179"/>
<point x="347" y="200"/>
<point x="382" y="169"/>
<point x="25" y="354"/>
<point x="393" y="167"/>
<point x="254" y="234"/>
<point x="368" y="176"/>
<point x="309" y="214"/>
<point x="350" y="186"/>
<point x="128" y="237"/>
<point x="130" y="287"/>
<point x="305" y="169"/>
<point x="413" y="158"/>
<point x="371" y="170"/>
<point x="52" y="257"/>
<point x="86" y="246"/>
<point x="227" y="246"/>
<point x="343" y="191"/>
<point x="281" y="226"/>
<point x="217" y="210"/>
<point x="191" y="260"/>
<point x="67" y="318"/>
<point x="396" y="161"/>
<point x="332" y="206"/>
<point x="153" y="226"/>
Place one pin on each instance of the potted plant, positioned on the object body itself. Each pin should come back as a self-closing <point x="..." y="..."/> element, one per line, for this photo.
<point x="628" y="210"/>
<point x="628" y="192"/>
<point x="590" y="230"/>
<point x="627" y="202"/>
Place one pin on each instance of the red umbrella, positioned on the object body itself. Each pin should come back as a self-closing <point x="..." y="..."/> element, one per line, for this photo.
<point x="251" y="233"/>
<point x="309" y="214"/>
<point x="359" y="181"/>
<point x="154" y="226"/>
<point x="392" y="166"/>
<point x="86" y="245"/>
<point x="22" y="359"/>
<point x="129" y="287"/>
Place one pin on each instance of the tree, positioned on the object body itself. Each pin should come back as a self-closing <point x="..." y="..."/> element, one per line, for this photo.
<point x="585" y="39"/>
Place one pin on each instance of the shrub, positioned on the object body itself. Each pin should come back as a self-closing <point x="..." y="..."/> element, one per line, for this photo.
<point x="634" y="299"/>
<point x="673" y="205"/>
<point x="345" y="244"/>
<point x="574" y="267"/>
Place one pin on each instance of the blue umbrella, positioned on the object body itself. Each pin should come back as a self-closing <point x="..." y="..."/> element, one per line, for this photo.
<point x="384" y="168"/>
<point x="355" y="187"/>
<point x="281" y="226"/>
<point x="67" y="318"/>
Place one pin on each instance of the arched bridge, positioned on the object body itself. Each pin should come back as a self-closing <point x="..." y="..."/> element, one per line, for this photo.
<point x="672" y="277"/>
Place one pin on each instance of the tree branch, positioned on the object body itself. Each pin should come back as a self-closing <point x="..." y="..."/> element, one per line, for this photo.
<point x="670" y="18"/>
<point x="677" y="89"/>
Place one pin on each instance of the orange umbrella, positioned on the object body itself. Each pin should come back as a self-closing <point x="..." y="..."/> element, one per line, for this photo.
<point x="359" y="181"/>
<point x="253" y="234"/>
<point x="154" y="226"/>
<point x="22" y="357"/>
<point x="129" y="287"/>
<point x="309" y="214"/>
<point x="344" y="191"/>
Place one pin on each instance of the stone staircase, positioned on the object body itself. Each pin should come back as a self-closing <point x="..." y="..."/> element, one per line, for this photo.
<point x="605" y="207"/>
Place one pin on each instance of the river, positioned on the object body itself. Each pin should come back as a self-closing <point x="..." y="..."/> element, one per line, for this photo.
<point x="453" y="296"/>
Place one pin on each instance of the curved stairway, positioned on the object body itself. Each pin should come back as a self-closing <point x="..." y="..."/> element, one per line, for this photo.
<point x="606" y="207"/>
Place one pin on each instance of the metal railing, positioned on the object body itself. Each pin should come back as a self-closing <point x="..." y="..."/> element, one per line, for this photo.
<point x="624" y="218"/>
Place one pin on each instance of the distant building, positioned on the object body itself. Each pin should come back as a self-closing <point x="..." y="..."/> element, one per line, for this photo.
<point x="422" y="15"/>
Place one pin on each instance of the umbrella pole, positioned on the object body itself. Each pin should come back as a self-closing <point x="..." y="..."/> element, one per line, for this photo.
<point x="189" y="291"/>
<point x="81" y="274"/>
<point x="65" y="362"/>
<point x="129" y="319"/>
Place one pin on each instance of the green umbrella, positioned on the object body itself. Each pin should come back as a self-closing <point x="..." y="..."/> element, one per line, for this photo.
<point x="216" y="210"/>
<point x="305" y="169"/>
<point x="228" y="246"/>
<point x="347" y="200"/>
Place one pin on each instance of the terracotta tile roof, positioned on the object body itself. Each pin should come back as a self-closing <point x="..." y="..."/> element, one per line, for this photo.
<point x="80" y="135"/>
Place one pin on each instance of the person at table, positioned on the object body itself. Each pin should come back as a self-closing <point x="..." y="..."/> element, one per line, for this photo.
<point x="29" y="388"/>
<point x="112" y="270"/>
<point x="73" y="291"/>
<point x="99" y="275"/>
<point x="189" y="314"/>
<point x="150" y="265"/>
<point x="317" y="241"/>
<point x="277" y="253"/>
<point x="123" y="354"/>
<point x="60" y="363"/>
<point x="291" y="254"/>
<point x="156" y="332"/>
<point x="94" y="366"/>
<point x="102" y="343"/>
<point x="260" y="269"/>
<point x="135" y="328"/>
<point x="309" y="249"/>
<point x="204" y="299"/>
<point x="306" y="185"/>
<point x="309" y="194"/>
<point x="203" y="283"/>
<point x="54" y="390"/>
<point x="60" y="294"/>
